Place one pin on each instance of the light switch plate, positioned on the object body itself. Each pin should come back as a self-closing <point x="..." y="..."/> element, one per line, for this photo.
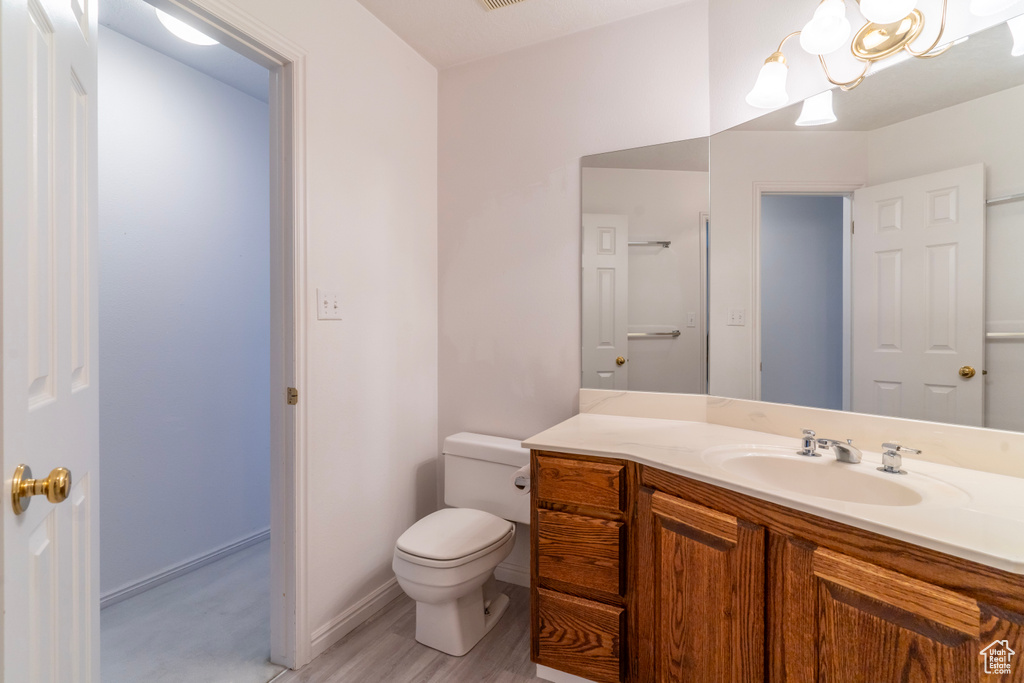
<point x="737" y="317"/>
<point x="691" y="319"/>
<point x="328" y="305"/>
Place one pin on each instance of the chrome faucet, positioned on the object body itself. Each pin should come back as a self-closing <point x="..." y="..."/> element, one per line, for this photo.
<point x="845" y="452"/>
<point x="892" y="459"/>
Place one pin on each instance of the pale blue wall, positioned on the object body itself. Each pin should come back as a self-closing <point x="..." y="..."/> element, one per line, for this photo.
<point x="802" y="300"/>
<point x="184" y="313"/>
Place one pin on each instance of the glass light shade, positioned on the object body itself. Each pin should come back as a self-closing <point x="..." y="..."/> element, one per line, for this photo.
<point x="183" y="30"/>
<point x="770" y="89"/>
<point x="984" y="8"/>
<point x="817" y="110"/>
<point x="1017" y="31"/>
<point x="828" y="30"/>
<point x="886" y="11"/>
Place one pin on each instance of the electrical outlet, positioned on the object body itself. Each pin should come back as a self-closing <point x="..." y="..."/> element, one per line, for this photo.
<point x="737" y="317"/>
<point x="328" y="305"/>
<point x="691" y="319"/>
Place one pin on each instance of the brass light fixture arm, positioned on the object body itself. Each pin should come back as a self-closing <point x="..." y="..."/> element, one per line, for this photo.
<point x="848" y="85"/>
<point x="928" y="54"/>
<point x="794" y="34"/>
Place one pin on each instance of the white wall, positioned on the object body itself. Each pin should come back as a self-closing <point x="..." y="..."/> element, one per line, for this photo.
<point x="800" y="161"/>
<point x="988" y="130"/>
<point x="371" y="211"/>
<point x="664" y="284"/>
<point x="184" y="313"/>
<point x="512" y="131"/>
<point x="745" y="32"/>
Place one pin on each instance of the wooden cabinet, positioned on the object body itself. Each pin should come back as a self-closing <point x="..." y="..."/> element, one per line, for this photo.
<point x="579" y="564"/>
<point x="703" y="576"/>
<point x="641" y="575"/>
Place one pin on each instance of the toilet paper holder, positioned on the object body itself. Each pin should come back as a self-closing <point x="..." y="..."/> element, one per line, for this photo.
<point x="521" y="479"/>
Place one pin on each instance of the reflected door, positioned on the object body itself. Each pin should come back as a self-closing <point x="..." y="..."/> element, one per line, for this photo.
<point x="50" y="401"/>
<point x="918" y="297"/>
<point x="605" y="301"/>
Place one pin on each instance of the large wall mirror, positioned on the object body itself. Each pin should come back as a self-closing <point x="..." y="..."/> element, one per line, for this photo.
<point x="644" y="279"/>
<point x="872" y="264"/>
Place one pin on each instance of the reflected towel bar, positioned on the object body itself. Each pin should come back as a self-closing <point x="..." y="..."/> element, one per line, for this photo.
<point x="1005" y="335"/>
<point x="654" y="243"/>
<point x="1007" y="199"/>
<point x="673" y="333"/>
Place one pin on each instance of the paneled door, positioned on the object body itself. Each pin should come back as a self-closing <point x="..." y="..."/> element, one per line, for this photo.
<point x="50" y="401"/>
<point x="605" y="300"/>
<point x="919" y="297"/>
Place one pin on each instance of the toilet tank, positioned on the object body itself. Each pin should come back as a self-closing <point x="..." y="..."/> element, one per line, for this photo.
<point x="478" y="472"/>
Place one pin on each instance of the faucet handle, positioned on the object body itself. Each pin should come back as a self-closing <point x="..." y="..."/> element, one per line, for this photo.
<point x="892" y="458"/>
<point x="810" y="444"/>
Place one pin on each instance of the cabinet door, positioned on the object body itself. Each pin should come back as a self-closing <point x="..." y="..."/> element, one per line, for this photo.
<point x="701" y="593"/>
<point x="837" y="619"/>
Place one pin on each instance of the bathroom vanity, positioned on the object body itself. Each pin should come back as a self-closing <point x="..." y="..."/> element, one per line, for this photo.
<point x="670" y="550"/>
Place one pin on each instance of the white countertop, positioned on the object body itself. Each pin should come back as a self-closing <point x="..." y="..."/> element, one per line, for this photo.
<point x="982" y="521"/>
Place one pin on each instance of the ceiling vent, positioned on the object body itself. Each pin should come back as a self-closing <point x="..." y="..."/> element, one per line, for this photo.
<point x="498" y="4"/>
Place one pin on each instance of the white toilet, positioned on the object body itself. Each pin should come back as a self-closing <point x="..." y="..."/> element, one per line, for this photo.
<point x="445" y="561"/>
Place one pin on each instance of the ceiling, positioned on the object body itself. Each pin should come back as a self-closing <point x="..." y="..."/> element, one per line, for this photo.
<point x="450" y="32"/>
<point x="137" y="20"/>
<point x="685" y="155"/>
<point x="980" y="66"/>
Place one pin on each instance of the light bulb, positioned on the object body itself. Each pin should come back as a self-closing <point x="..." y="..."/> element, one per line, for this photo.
<point x="886" y="11"/>
<point x="183" y="30"/>
<point x="769" y="91"/>
<point x="984" y="8"/>
<point x="1017" y="31"/>
<point x="817" y="110"/>
<point x="827" y="30"/>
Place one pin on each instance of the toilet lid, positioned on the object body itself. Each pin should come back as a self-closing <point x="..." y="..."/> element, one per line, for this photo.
<point x="453" y="533"/>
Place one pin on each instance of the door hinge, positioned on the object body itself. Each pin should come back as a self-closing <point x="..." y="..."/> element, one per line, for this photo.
<point x="853" y="228"/>
<point x="293" y="396"/>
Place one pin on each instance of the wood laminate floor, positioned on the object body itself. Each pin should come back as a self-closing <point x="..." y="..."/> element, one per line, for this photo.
<point x="384" y="650"/>
<point x="208" y="626"/>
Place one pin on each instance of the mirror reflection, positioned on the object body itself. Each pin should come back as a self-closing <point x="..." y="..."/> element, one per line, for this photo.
<point x="644" y="268"/>
<point x="873" y="263"/>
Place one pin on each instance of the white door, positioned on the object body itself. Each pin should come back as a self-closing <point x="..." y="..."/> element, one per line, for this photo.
<point x="50" y="404"/>
<point x="919" y="297"/>
<point x="605" y="300"/>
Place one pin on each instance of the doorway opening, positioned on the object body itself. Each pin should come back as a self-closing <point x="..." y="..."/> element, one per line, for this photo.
<point x="198" y="230"/>
<point x="803" y="299"/>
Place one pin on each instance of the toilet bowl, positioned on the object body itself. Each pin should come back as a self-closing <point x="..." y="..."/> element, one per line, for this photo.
<point x="446" y="561"/>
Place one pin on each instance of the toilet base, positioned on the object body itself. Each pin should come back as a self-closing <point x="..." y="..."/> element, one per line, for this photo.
<point x="455" y="627"/>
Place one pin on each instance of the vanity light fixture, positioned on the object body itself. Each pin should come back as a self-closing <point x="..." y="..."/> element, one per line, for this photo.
<point x="183" y="30"/>
<point x="892" y="27"/>
<point x="817" y="110"/>
<point x="1017" y="31"/>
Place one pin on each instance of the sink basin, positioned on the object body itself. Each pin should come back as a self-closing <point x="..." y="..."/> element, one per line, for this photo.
<point x="825" y="477"/>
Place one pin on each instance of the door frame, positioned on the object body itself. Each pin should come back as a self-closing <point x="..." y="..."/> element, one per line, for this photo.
<point x="703" y="228"/>
<point x="290" y="633"/>
<point x="794" y="187"/>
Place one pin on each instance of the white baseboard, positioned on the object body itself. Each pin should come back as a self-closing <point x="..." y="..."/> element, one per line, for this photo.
<point x="154" y="580"/>
<point x="513" y="573"/>
<point x="555" y="676"/>
<point x="346" y="622"/>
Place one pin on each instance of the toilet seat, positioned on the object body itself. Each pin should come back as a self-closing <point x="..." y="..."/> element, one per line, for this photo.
<point x="453" y="537"/>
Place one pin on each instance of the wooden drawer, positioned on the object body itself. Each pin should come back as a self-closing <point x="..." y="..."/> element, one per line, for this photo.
<point x="580" y="482"/>
<point x="579" y="636"/>
<point x="583" y="551"/>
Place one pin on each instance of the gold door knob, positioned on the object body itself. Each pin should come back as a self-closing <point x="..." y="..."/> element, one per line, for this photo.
<point x="967" y="372"/>
<point x="620" y="361"/>
<point x="55" y="487"/>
